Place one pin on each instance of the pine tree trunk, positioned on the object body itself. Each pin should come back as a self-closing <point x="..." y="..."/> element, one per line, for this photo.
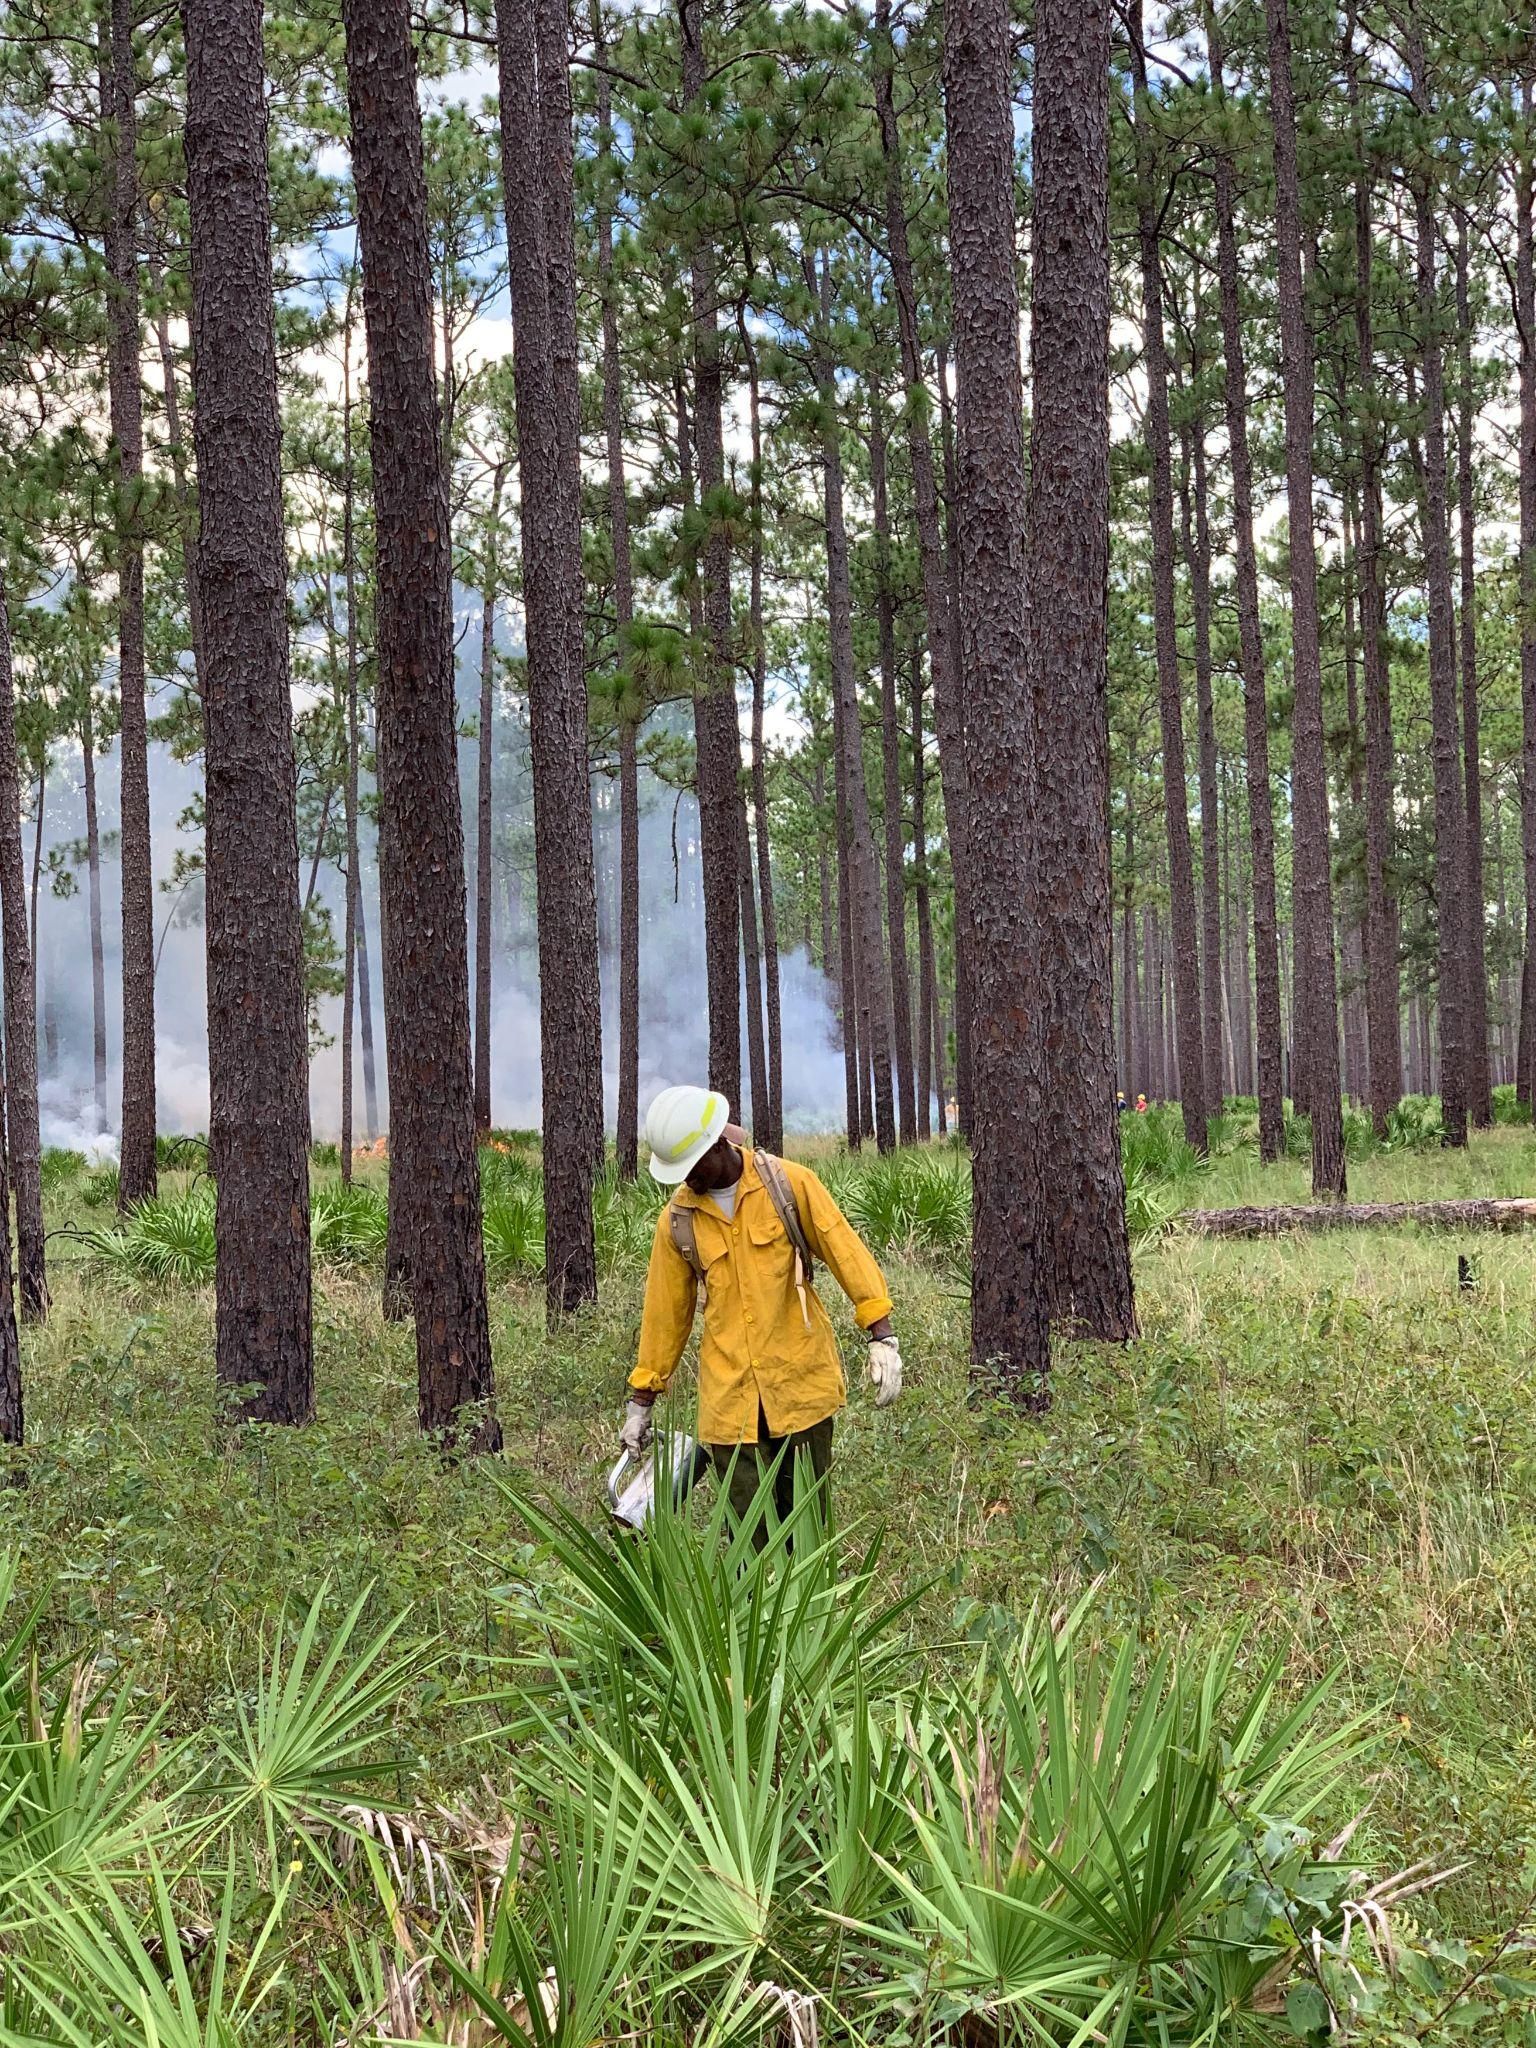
<point x="484" y="810"/>
<point x="757" y="1051"/>
<point x="12" y="1407"/>
<point x="1067" y="553"/>
<point x="927" y="994"/>
<point x="718" y="736"/>
<point x="258" y="1047"/>
<point x="1479" y="1081"/>
<point x="627" y="1131"/>
<point x="353" y="877"/>
<point x="93" y="895"/>
<point x="186" y="511"/>
<point x="23" y="1145"/>
<point x="537" y="173"/>
<point x="1181" y="879"/>
<point x="1318" y="1028"/>
<point x="847" y="972"/>
<point x="1128" y="991"/>
<point x="770" y="1128"/>
<point x="1383" y="999"/>
<point x="963" y="999"/>
<point x="864" y="889"/>
<point x="938" y="610"/>
<point x="1010" y="1291"/>
<point x="433" y="1172"/>
<point x="890" y="750"/>
<point x="136" y="1160"/>
<point x="1261" y="822"/>
<point x="1525" y="296"/>
<point x="1450" y="811"/>
<point x="1197" y="553"/>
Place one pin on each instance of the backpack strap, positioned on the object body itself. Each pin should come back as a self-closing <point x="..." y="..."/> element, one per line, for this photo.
<point x="686" y="1245"/>
<point x="770" y="1171"/>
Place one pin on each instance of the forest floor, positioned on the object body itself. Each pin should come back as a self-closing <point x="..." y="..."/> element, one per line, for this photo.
<point x="1323" y="1443"/>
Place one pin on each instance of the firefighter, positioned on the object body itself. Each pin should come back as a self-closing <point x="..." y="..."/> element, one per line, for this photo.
<point x="744" y="1232"/>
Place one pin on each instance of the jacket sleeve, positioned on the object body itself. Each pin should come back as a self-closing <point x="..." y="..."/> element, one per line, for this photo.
<point x="840" y="1248"/>
<point x="670" y="1294"/>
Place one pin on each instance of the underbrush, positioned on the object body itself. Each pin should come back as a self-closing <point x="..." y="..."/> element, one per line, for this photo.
<point x="743" y="1811"/>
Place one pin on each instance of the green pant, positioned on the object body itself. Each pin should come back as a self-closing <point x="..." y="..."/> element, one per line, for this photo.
<point x="807" y="1455"/>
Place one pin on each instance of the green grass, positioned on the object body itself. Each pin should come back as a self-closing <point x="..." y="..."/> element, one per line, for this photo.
<point x="1320" y="1449"/>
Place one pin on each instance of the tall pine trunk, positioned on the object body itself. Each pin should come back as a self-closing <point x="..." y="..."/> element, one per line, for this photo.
<point x="536" y="161"/>
<point x="628" y="1125"/>
<point x="938" y="610"/>
<point x="353" y="931"/>
<point x="433" y="1169"/>
<point x="927" y="998"/>
<point x="484" y="805"/>
<point x="770" y="1128"/>
<point x="23" y="1144"/>
<point x="1067" y="653"/>
<point x="1197" y="554"/>
<point x="258" y="1046"/>
<point x="1450" y="810"/>
<point x="1383" y="1001"/>
<point x="1318" y="1025"/>
<point x="1479" y="1079"/>
<point x="863" y="883"/>
<point x="136" y="1158"/>
<point x="890" y="756"/>
<point x="1261" y="822"/>
<point x="1181" y="876"/>
<point x="1525" y="306"/>
<point x="1011" y="1290"/>
<point x="93" y="904"/>
<point x="717" y="734"/>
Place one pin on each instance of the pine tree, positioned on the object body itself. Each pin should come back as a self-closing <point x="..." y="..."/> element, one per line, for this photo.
<point x="433" y="1170"/>
<point x="257" y="1037"/>
<point x="1010" y="1330"/>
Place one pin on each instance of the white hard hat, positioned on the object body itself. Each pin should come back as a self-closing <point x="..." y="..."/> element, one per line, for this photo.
<point x="680" y="1126"/>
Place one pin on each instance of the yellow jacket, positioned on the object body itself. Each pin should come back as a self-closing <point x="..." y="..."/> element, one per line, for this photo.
<point x="756" y="1347"/>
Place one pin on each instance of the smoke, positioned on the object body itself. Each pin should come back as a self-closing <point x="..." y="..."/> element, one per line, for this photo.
<point x="674" y="1018"/>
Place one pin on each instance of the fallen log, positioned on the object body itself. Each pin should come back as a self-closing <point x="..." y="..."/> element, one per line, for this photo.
<point x="1514" y="1214"/>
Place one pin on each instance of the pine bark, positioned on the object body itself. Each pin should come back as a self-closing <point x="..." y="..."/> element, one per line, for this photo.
<point x="628" y="1123"/>
<point x="890" y="757"/>
<point x="93" y="903"/>
<point x="12" y="1405"/>
<point x="938" y="610"/>
<point x="1197" y="554"/>
<point x="1261" y="820"/>
<point x="770" y="1128"/>
<point x="433" y="1167"/>
<point x="536" y="162"/>
<point x="23" y="1144"/>
<point x="1318" y="1024"/>
<point x="1525" y="307"/>
<point x="484" y="803"/>
<point x="1067" y="652"/>
<point x="352" y="934"/>
<point x="1383" y="1001"/>
<point x="1450" y="810"/>
<point x="1010" y="1292"/>
<point x="1170" y="708"/>
<point x="1479" y="1079"/>
<point x="926" y="978"/>
<point x="136" y="1157"/>
<point x="717" y="734"/>
<point x="258" y="1050"/>
<point x="864" y="890"/>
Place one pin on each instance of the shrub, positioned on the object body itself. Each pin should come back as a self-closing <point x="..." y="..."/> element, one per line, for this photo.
<point x="169" y="1240"/>
<point x="60" y="1167"/>
<point x="348" y="1226"/>
<point x="514" y="1231"/>
<point x="1506" y="1110"/>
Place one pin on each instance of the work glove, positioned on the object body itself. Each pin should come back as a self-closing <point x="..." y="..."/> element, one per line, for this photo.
<point x="635" y="1436"/>
<point x="885" y="1370"/>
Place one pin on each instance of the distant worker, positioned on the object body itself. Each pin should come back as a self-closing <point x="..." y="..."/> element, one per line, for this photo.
<point x="742" y="1233"/>
<point x="1141" y="1105"/>
<point x="1120" y="1102"/>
